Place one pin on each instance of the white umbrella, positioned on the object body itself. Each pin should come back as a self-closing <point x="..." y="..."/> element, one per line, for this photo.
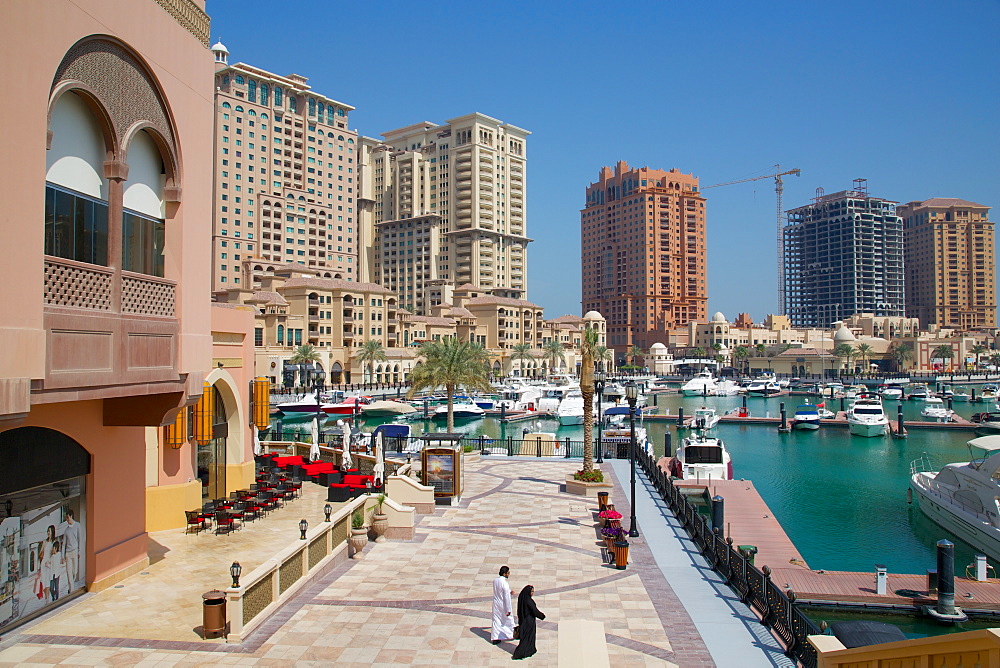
<point x="314" y="447"/>
<point x="379" y="469"/>
<point x="257" y="448"/>
<point x="346" y="459"/>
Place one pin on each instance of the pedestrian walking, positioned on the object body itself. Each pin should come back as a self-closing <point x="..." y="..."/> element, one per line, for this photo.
<point x="503" y="611"/>
<point x="527" y="612"/>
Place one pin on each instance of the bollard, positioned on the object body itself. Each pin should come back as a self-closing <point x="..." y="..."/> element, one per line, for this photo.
<point x="427" y="408"/>
<point x="668" y="448"/>
<point x="744" y="402"/>
<point x="973" y="399"/>
<point x="842" y="404"/>
<point x="881" y="579"/>
<point x="949" y="403"/>
<point x="899" y="419"/>
<point x="503" y="412"/>
<point x="680" y="416"/>
<point x="567" y="447"/>
<point x="946" y="577"/>
<point x="718" y="513"/>
<point x="784" y="419"/>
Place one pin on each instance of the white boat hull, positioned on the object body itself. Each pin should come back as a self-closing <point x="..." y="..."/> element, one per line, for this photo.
<point x="964" y="525"/>
<point x="807" y="424"/>
<point x="868" y="429"/>
<point x="570" y="419"/>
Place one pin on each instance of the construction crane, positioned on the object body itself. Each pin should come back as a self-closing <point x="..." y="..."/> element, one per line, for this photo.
<point x="779" y="188"/>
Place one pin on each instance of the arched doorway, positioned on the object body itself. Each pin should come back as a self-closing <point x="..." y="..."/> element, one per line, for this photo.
<point x="42" y="530"/>
<point x="212" y="455"/>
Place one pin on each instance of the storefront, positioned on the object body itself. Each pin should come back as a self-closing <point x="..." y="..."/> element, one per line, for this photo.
<point x="42" y="531"/>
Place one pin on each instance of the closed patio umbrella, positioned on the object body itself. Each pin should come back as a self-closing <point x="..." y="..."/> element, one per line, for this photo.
<point x="346" y="460"/>
<point x="314" y="447"/>
<point x="258" y="449"/>
<point x="379" y="469"/>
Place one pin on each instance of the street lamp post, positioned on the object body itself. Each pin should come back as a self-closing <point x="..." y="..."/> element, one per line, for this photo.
<point x="599" y="379"/>
<point x="632" y="396"/>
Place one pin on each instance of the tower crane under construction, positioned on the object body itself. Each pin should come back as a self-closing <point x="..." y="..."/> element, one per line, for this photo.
<point x="779" y="188"/>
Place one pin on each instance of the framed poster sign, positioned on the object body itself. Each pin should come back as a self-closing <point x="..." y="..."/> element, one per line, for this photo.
<point x="440" y="470"/>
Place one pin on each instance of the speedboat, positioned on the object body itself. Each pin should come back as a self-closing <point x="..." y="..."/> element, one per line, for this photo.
<point x="726" y="388"/>
<point x="866" y="418"/>
<point x="704" y="418"/>
<point x="305" y="406"/>
<point x="348" y="406"/>
<point x="701" y="457"/>
<point x="890" y="392"/>
<point x="763" y="386"/>
<point x="520" y="398"/>
<point x="962" y="497"/>
<point x="990" y="392"/>
<point x="960" y="394"/>
<point x="570" y="409"/>
<point x="615" y="440"/>
<point x="806" y="417"/>
<point x="934" y="409"/>
<point x="833" y="389"/>
<point x="919" y="391"/>
<point x="702" y="384"/>
<point x="825" y="413"/>
<point x="855" y="391"/>
<point x="387" y="409"/>
<point x="459" y="410"/>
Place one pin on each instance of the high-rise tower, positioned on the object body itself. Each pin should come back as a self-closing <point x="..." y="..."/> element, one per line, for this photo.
<point x="643" y="251"/>
<point x="843" y="255"/>
<point x="950" y="267"/>
<point x="286" y="169"/>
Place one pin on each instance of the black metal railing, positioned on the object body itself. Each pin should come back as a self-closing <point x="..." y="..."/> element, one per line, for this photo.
<point x="775" y="607"/>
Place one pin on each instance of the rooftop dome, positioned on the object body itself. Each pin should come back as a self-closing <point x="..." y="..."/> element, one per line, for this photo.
<point x="592" y="315"/>
<point x="657" y="346"/>
<point x="843" y="335"/>
<point x="219" y="46"/>
<point x="718" y="317"/>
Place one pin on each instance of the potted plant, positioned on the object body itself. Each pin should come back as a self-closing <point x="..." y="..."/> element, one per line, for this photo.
<point x="612" y="534"/>
<point x="380" y="521"/>
<point x="609" y="517"/>
<point x="359" y="534"/>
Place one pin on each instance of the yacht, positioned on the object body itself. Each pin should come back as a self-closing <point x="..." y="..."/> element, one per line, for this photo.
<point x="866" y="418"/>
<point x="763" y="386"/>
<point x="307" y="405"/>
<point x="704" y="418"/>
<point x="918" y="391"/>
<point x="890" y="392"/>
<point x="570" y="409"/>
<point x="833" y="389"/>
<point x="459" y="410"/>
<point x="520" y="398"/>
<point x="990" y="392"/>
<point x="726" y="388"/>
<point x="934" y="409"/>
<point x="615" y="440"/>
<point x="806" y="417"/>
<point x="702" y="384"/>
<point x="701" y="457"/>
<point x="855" y="391"/>
<point x="962" y="497"/>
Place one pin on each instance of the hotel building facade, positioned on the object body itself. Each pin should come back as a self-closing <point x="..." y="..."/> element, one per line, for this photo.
<point x="950" y="263"/>
<point x="643" y="250"/>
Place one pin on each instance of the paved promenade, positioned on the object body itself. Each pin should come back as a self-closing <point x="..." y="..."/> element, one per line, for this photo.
<point x="427" y="601"/>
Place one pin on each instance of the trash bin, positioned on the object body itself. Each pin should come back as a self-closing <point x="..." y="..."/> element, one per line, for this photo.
<point x="213" y="621"/>
<point x="748" y="552"/>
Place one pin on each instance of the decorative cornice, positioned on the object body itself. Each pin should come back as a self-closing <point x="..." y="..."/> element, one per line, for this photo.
<point x="190" y="16"/>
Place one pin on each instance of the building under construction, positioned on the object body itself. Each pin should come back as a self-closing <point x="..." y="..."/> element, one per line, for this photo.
<point x="843" y="255"/>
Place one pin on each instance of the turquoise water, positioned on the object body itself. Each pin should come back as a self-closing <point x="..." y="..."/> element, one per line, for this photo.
<point x="840" y="498"/>
<point x="911" y="626"/>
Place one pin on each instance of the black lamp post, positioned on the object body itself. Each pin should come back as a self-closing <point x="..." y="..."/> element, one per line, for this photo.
<point x="235" y="571"/>
<point x="599" y="379"/>
<point x="303" y="527"/>
<point x="327" y="509"/>
<point x="632" y="396"/>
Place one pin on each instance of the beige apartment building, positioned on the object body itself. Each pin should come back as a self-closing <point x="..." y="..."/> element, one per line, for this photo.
<point x="285" y="173"/>
<point x="445" y="206"/>
<point x="950" y="263"/>
<point x="643" y="253"/>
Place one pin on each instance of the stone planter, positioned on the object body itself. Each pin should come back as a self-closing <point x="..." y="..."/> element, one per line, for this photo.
<point x="358" y="539"/>
<point x="380" y="522"/>
<point x="588" y="489"/>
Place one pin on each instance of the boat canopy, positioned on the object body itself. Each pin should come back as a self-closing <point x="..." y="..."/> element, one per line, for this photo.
<point x="990" y="443"/>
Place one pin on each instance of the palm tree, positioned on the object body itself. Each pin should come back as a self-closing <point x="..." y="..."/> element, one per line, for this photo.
<point x="995" y="360"/>
<point x="843" y="352"/>
<point x="521" y="352"/>
<point x="942" y="352"/>
<point x="371" y="352"/>
<point x="588" y="346"/>
<point x="978" y="350"/>
<point x="700" y="352"/>
<point x="901" y="353"/>
<point x="863" y="351"/>
<point x="306" y="354"/>
<point x="741" y="353"/>
<point x="553" y="352"/>
<point x="760" y="349"/>
<point x="604" y="354"/>
<point x="449" y="363"/>
<point x="635" y="351"/>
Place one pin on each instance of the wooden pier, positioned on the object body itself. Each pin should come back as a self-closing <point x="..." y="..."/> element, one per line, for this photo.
<point x="749" y="521"/>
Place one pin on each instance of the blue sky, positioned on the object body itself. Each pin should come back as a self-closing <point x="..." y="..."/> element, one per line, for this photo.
<point x="904" y="94"/>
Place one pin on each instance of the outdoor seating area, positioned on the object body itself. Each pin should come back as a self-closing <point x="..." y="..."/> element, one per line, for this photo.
<point x="342" y="484"/>
<point x="272" y="490"/>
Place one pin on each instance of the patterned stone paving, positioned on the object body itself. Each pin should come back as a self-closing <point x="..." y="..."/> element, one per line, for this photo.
<point x="427" y="601"/>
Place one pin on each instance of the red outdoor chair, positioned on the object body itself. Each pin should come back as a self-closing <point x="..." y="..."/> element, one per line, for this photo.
<point x="223" y="520"/>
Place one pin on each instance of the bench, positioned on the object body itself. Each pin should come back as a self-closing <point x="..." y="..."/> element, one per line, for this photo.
<point x="582" y="643"/>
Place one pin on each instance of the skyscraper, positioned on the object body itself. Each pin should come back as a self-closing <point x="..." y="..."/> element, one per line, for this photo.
<point x="285" y="175"/>
<point x="843" y="255"/>
<point x="643" y="253"/>
<point x="444" y="205"/>
<point x="950" y="268"/>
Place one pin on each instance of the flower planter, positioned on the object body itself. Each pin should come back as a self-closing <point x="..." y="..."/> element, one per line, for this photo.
<point x="614" y="523"/>
<point x="380" y="522"/>
<point x="621" y="554"/>
<point x="610" y="542"/>
<point x="358" y="539"/>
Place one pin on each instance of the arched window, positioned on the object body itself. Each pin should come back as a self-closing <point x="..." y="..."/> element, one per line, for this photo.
<point x="312" y="107"/>
<point x="252" y="112"/>
<point x="239" y="80"/>
<point x="292" y="104"/>
<point x="340" y="137"/>
<point x="143" y="228"/>
<point x="277" y="96"/>
<point x="321" y="111"/>
<point x="76" y="193"/>
<point x="263" y="117"/>
<point x="252" y="91"/>
<point x="340" y="111"/>
<point x="225" y="80"/>
<point x="239" y="108"/>
<point x="350" y="141"/>
<point x="265" y="91"/>
<point x="226" y="105"/>
<point x="329" y="115"/>
<point x="281" y="335"/>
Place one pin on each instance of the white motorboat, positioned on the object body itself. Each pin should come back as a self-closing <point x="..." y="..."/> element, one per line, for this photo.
<point x="704" y="418"/>
<point x="459" y="410"/>
<point x="919" y="391"/>
<point x="962" y="497"/>
<point x="701" y="457"/>
<point x="520" y="398"/>
<point x="387" y="409"/>
<point x="934" y="409"/>
<point x="866" y="418"/>
<point x="833" y="389"/>
<point x="990" y="392"/>
<point x="615" y="440"/>
<point x="890" y="392"/>
<point x="960" y="394"/>
<point x="825" y="413"/>
<point x="570" y="409"/>
<point x="726" y="388"/>
<point x="307" y="405"/>
<point x="702" y="384"/>
<point x="855" y="391"/>
<point x="763" y="386"/>
<point x="806" y="417"/>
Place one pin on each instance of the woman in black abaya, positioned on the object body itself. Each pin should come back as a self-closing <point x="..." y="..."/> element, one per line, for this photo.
<point x="527" y="611"/>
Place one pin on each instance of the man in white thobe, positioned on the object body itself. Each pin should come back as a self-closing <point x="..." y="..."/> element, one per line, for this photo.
<point x="503" y="612"/>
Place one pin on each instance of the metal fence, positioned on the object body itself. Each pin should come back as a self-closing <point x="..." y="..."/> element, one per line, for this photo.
<point x="775" y="607"/>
